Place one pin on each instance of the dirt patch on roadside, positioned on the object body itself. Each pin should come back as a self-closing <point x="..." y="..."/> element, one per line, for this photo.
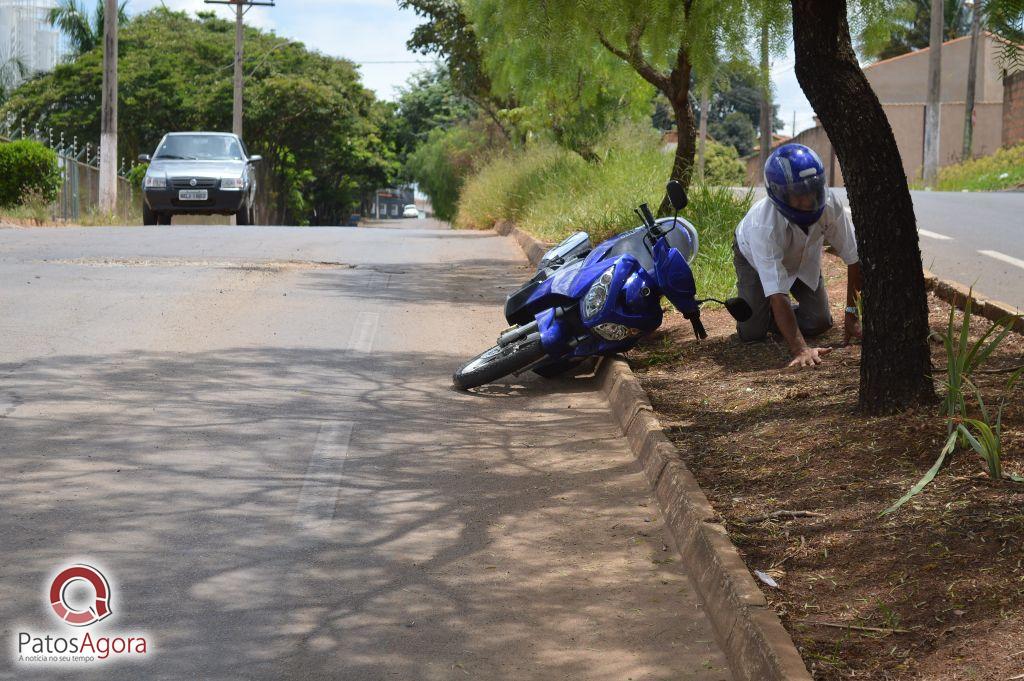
<point x="935" y="591"/>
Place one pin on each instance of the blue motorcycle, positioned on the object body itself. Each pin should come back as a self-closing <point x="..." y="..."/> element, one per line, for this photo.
<point x="587" y="302"/>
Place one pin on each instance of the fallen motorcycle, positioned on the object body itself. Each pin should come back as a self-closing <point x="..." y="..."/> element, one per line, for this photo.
<point x="590" y="301"/>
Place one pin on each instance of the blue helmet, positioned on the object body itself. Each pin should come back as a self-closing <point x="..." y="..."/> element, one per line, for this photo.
<point x="795" y="181"/>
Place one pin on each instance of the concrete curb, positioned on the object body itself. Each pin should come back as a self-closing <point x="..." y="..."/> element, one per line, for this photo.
<point x="533" y="247"/>
<point x="756" y="644"/>
<point x="957" y="295"/>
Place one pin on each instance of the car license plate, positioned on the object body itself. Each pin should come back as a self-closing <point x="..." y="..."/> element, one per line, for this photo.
<point x="193" y="195"/>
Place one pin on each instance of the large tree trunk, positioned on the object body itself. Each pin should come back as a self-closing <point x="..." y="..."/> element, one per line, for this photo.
<point x="896" y="360"/>
<point x="682" y="165"/>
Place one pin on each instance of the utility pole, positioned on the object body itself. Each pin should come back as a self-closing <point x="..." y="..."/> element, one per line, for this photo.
<point x="702" y="135"/>
<point x="933" y="108"/>
<point x="241" y="8"/>
<point x="972" y="77"/>
<point x="108" y="116"/>
<point x="766" y="97"/>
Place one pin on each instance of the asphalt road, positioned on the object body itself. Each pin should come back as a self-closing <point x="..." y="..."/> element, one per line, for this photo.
<point x="976" y="238"/>
<point x="250" y="432"/>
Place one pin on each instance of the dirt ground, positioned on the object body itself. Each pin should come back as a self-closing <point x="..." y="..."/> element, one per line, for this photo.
<point x="935" y="591"/>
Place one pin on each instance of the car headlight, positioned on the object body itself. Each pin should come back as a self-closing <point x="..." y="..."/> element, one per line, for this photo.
<point x="232" y="183"/>
<point x="155" y="182"/>
<point x="597" y="296"/>
<point x="614" y="332"/>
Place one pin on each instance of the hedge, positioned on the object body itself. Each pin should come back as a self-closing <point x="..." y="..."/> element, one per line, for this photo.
<point x="27" y="165"/>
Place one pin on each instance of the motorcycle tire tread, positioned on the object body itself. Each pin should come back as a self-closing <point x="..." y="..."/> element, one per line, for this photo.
<point x="524" y="353"/>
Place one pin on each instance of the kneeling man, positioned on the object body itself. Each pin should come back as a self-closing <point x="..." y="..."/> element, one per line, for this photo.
<point x="777" y="253"/>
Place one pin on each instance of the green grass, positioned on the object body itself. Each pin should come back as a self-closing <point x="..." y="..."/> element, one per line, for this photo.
<point x="1002" y="170"/>
<point x="551" y="192"/>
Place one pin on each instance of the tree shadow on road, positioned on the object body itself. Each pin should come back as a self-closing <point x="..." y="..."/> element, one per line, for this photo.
<point x="497" y="543"/>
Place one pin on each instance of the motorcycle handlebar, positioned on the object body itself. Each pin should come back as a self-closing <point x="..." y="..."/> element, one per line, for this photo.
<point x="648" y="217"/>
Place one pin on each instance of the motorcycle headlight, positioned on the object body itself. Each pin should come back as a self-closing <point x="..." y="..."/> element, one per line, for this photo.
<point x="597" y="296"/>
<point x="614" y="332"/>
<point x="155" y="182"/>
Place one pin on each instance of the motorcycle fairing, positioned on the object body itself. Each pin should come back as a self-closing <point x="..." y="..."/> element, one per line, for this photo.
<point x="573" y="246"/>
<point x="675" y="278"/>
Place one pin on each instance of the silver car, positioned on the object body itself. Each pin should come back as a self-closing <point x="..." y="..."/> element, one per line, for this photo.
<point x="199" y="173"/>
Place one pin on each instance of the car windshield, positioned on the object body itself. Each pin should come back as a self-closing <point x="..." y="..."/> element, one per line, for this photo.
<point x="200" y="148"/>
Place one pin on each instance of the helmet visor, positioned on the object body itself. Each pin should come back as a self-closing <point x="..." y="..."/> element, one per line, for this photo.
<point x="806" y="196"/>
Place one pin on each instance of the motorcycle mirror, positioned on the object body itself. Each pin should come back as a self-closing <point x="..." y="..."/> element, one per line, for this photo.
<point x="739" y="309"/>
<point x="677" y="195"/>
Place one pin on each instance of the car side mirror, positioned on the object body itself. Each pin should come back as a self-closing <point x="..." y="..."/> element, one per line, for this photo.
<point x="739" y="309"/>
<point x="255" y="158"/>
<point x="677" y="195"/>
<point x="145" y="158"/>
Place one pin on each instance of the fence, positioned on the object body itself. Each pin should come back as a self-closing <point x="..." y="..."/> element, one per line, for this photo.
<point x="80" y="174"/>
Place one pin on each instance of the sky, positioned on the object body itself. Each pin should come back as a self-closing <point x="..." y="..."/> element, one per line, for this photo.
<point x="372" y="31"/>
<point x="364" y="31"/>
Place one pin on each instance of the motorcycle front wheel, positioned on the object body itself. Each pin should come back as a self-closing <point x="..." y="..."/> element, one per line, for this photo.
<point x="498" y="362"/>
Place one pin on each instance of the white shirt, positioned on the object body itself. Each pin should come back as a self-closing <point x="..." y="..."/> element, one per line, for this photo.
<point x="781" y="252"/>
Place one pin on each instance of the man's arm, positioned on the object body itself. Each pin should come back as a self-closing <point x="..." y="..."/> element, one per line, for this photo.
<point x="803" y="356"/>
<point x="854" y="284"/>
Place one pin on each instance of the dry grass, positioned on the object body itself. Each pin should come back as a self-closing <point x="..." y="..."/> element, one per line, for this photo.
<point x="946" y="569"/>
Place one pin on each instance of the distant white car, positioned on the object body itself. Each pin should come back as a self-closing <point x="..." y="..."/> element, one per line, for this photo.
<point x="411" y="211"/>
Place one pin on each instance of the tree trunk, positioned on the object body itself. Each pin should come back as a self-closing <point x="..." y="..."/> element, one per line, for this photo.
<point x="702" y="132"/>
<point x="896" y="359"/>
<point x="765" y="123"/>
<point x="682" y="165"/>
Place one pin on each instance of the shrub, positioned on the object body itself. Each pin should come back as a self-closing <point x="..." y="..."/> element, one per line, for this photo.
<point x="1002" y="170"/>
<point x="722" y="165"/>
<point x="441" y="164"/>
<point x="26" y="165"/>
<point x="551" y="193"/>
<point x="137" y="174"/>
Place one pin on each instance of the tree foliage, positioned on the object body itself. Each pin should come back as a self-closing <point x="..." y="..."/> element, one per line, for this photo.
<point x="324" y="136"/>
<point x="83" y="31"/>
<point x="448" y="34"/>
<point x="442" y="163"/>
<point x="583" y="65"/>
<point x="908" y="28"/>
<point x="427" y="102"/>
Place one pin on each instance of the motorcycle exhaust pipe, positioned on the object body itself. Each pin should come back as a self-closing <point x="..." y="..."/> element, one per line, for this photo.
<point x="518" y="333"/>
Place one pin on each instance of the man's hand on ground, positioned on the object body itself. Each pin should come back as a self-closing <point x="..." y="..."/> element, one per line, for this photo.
<point x="851" y="329"/>
<point x="809" y="357"/>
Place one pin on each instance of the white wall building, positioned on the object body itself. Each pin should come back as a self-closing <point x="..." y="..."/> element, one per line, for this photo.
<point x="26" y="34"/>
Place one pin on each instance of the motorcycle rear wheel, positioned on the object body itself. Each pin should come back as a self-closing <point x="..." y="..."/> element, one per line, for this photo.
<point x="498" y="362"/>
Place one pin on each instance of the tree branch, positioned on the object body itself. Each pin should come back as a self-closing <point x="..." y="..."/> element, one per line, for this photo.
<point x="634" y="57"/>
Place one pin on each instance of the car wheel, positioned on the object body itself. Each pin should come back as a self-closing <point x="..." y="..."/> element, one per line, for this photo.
<point x="242" y="216"/>
<point x="148" y="216"/>
<point x="164" y="218"/>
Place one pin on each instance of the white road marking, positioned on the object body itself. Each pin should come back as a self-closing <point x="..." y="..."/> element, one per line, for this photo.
<point x="934" y="235"/>
<point x="1005" y="258"/>
<point x="364" y="332"/>
<point x="319" y="493"/>
<point x="922" y="232"/>
<point x="323" y="476"/>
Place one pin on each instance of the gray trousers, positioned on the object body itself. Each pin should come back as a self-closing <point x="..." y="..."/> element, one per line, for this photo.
<point x="812" y="312"/>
